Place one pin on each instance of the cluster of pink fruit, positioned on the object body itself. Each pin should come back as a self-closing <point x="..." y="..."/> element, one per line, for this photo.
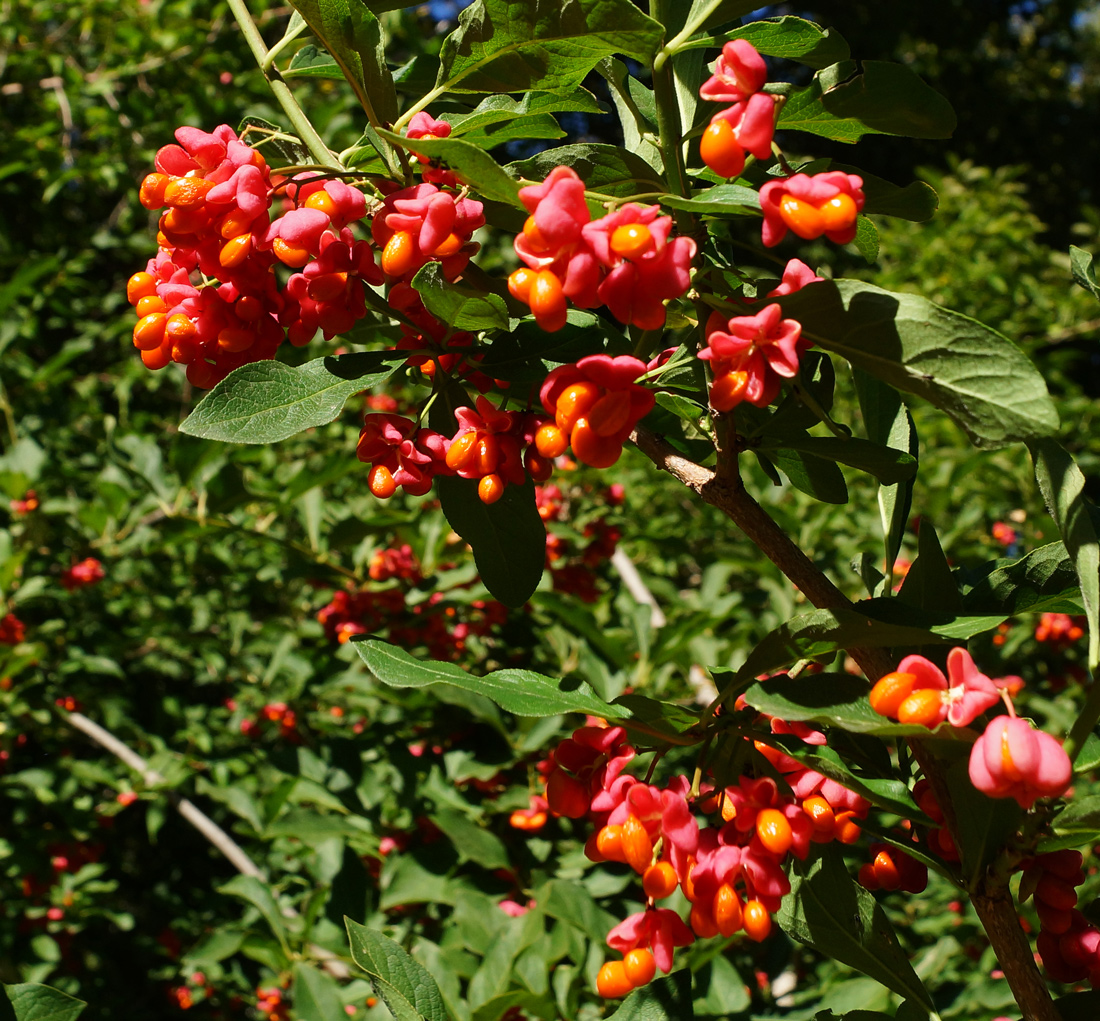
<point x="730" y="871"/>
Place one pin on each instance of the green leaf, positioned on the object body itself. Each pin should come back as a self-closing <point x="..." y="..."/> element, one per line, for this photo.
<point x="664" y="999"/>
<point x="723" y="199"/>
<point x="474" y="165"/>
<point x="472" y="842"/>
<point x="508" y="537"/>
<point x="458" y="307"/>
<point x="352" y="34"/>
<point x="405" y="985"/>
<point x="1080" y="262"/>
<point x="313" y="62"/>
<point x="33" y="1002"/>
<point x="884" y="98"/>
<point x="979" y="377"/>
<point x="985" y="825"/>
<point x="829" y="700"/>
<point x="537" y="125"/>
<point x="1063" y="487"/>
<point x="866" y="239"/>
<point x="316" y="995"/>
<point x="570" y="902"/>
<point x="815" y="476"/>
<point x="823" y="632"/>
<point x="930" y="583"/>
<point x="608" y="169"/>
<point x="889" y="98"/>
<point x="518" y="355"/>
<point x="916" y="201"/>
<point x="1078" y="825"/>
<point x="501" y="109"/>
<point x="885" y="463"/>
<point x="788" y="37"/>
<point x="257" y="893"/>
<point x="888" y="422"/>
<point x="504" y="47"/>
<point x="668" y="717"/>
<point x="637" y="110"/>
<point x="704" y="14"/>
<point x="828" y="911"/>
<point x="267" y="401"/>
<point x="521" y="692"/>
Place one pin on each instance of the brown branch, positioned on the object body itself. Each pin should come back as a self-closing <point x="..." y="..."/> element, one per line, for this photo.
<point x="236" y="854"/>
<point x="733" y="500"/>
<point x="992" y="901"/>
<point x="233" y="851"/>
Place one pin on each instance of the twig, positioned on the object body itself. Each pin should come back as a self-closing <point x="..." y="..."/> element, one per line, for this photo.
<point x="191" y="812"/>
<point x="733" y="500"/>
<point x="637" y="588"/>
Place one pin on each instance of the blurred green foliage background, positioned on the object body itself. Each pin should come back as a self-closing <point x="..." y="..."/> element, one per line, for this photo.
<point x="218" y="558"/>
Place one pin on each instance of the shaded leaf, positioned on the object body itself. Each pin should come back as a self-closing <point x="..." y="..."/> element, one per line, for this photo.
<point x="885" y="463"/>
<point x="405" y="985"/>
<point x="267" y="401"/>
<point x="508" y="537"/>
<point x="352" y="34"/>
<point x="1063" y="487"/>
<point x="829" y="700"/>
<point x="316" y="995"/>
<point x="458" y="307"/>
<point x="828" y="911"/>
<point x="888" y="422"/>
<point x="570" y="902"/>
<point x="985" y="825"/>
<point x="664" y="999"/>
<point x="257" y="893"/>
<point x="472" y="842"/>
<point x="608" y="169"/>
<point x="979" y="377"/>
<point x="1042" y="581"/>
<point x="522" y="692"/>
<point x="930" y="583"/>
<point x="815" y="476"/>
<point x="32" y="1002"/>
<point x="473" y="164"/>
<point x="889" y="98"/>
<point x="507" y="47"/>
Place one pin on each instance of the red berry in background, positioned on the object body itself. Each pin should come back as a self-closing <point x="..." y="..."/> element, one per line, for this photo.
<point x="566" y="795"/>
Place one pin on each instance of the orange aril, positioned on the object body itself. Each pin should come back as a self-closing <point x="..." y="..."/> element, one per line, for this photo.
<point x="631" y="240"/>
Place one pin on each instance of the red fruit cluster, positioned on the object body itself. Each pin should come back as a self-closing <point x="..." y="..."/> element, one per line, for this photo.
<point x="731" y="872"/>
<point x="423" y="223"/>
<point x="625" y="260"/>
<point x="892" y="869"/>
<point x="442" y="627"/>
<point x="12" y="630"/>
<point x="87" y="572"/>
<point x="596" y="404"/>
<point x="272" y="1004"/>
<point x="811" y="206"/>
<point x="749" y="124"/>
<point x="1067" y="942"/>
<point x="209" y="300"/>
<point x="1059" y="629"/>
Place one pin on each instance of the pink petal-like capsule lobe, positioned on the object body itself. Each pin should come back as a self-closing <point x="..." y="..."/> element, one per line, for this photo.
<point x="1055" y="770"/>
<point x="1011" y="751"/>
